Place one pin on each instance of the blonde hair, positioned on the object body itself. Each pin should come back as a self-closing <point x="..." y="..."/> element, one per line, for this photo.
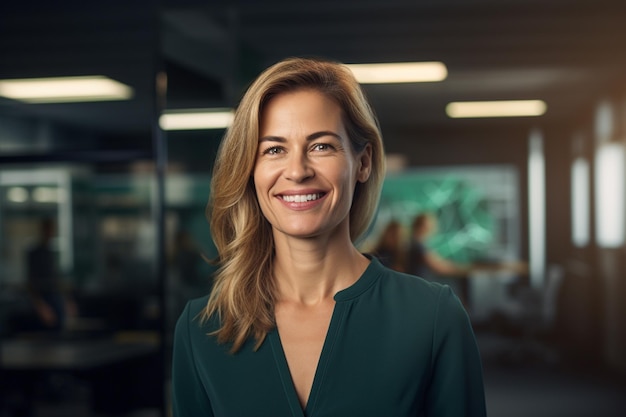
<point x="243" y="289"/>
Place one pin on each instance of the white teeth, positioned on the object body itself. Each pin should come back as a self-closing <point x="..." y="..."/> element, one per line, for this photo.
<point x="301" y="198"/>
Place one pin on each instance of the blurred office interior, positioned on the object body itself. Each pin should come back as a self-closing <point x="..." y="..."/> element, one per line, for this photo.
<point x="535" y="202"/>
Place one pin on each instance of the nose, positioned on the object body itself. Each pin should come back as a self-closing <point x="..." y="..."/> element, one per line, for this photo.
<point x="298" y="168"/>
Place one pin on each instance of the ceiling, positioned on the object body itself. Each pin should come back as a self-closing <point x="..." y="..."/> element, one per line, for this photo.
<point x="568" y="53"/>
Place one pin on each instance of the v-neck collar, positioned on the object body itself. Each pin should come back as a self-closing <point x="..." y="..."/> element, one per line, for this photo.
<point x="365" y="281"/>
<point x="285" y="375"/>
<point x="320" y="371"/>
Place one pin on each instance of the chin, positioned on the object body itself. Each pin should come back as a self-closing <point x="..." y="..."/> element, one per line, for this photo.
<point x="300" y="231"/>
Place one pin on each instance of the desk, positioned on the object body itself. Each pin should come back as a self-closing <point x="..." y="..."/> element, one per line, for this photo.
<point x="122" y="376"/>
<point x="488" y="291"/>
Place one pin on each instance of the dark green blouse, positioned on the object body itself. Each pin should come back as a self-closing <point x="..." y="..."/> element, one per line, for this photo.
<point x="397" y="346"/>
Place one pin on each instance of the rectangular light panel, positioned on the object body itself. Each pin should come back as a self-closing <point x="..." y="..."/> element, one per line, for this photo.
<point x="580" y="201"/>
<point x="400" y="72"/>
<point x="610" y="200"/>
<point x="65" y="89"/>
<point x="536" y="209"/>
<point x="500" y="108"/>
<point x="196" y="119"/>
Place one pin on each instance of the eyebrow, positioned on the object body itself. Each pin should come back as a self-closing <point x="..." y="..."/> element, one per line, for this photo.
<point x="310" y="137"/>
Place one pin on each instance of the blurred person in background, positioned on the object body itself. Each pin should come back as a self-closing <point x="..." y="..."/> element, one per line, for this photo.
<point x="52" y="303"/>
<point x="424" y="262"/>
<point x="390" y="249"/>
<point x="298" y="321"/>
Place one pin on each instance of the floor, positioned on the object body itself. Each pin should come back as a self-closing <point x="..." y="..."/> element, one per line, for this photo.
<point x="521" y="380"/>
<point x="533" y="380"/>
<point x="540" y="393"/>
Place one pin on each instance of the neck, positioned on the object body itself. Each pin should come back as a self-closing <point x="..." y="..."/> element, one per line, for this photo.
<point x="310" y="271"/>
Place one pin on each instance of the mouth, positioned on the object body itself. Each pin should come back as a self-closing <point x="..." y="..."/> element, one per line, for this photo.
<point x="301" y="198"/>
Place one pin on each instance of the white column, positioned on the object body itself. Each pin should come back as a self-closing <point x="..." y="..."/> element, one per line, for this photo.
<point x="536" y="209"/>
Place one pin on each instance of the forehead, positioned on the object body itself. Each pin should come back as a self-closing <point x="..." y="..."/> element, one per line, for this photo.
<point x="303" y="105"/>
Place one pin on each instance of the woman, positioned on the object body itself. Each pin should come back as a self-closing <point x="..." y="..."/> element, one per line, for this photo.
<point x="299" y="322"/>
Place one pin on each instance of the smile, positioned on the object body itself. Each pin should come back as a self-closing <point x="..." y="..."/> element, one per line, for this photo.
<point x="301" y="198"/>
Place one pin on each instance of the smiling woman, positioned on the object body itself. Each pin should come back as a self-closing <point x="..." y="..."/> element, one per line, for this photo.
<point x="298" y="321"/>
<point x="306" y="171"/>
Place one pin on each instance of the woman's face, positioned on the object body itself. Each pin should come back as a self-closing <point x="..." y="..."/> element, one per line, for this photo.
<point x="306" y="171"/>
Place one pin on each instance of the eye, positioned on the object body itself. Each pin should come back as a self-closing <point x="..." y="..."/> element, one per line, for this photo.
<point x="320" y="147"/>
<point x="273" y="150"/>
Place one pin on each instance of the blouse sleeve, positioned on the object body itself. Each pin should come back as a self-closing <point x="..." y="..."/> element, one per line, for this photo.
<point x="456" y="387"/>
<point x="189" y="398"/>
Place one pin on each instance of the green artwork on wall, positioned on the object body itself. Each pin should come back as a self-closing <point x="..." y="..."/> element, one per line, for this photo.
<point x="466" y="227"/>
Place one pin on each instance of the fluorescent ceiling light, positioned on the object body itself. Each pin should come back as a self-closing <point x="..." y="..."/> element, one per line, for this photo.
<point x="501" y="108"/>
<point x="65" y="89"/>
<point x="400" y="72"/>
<point x="196" y="119"/>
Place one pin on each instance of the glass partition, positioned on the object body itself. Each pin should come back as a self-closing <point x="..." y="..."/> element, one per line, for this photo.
<point x="78" y="245"/>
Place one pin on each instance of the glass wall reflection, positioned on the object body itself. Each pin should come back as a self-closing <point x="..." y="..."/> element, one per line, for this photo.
<point x="80" y="293"/>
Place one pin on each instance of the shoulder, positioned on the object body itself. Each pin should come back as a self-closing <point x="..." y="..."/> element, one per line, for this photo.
<point x="419" y="297"/>
<point x="417" y="288"/>
<point x="416" y="246"/>
<point x="196" y="306"/>
<point x="191" y="320"/>
<point x="428" y="303"/>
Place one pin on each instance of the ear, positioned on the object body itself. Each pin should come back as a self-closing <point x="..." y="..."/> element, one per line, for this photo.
<point x="365" y="164"/>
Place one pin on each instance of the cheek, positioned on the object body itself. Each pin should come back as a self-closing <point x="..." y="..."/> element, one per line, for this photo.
<point x="347" y="181"/>
<point x="262" y="183"/>
<point x="349" y="176"/>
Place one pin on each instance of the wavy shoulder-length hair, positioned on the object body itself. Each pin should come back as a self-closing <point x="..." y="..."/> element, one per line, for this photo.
<point x="243" y="291"/>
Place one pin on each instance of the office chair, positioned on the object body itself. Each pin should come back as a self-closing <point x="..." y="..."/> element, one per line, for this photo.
<point x="529" y="315"/>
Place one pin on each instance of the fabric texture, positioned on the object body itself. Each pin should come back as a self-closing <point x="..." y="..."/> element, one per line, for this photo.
<point x="397" y="345"/>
